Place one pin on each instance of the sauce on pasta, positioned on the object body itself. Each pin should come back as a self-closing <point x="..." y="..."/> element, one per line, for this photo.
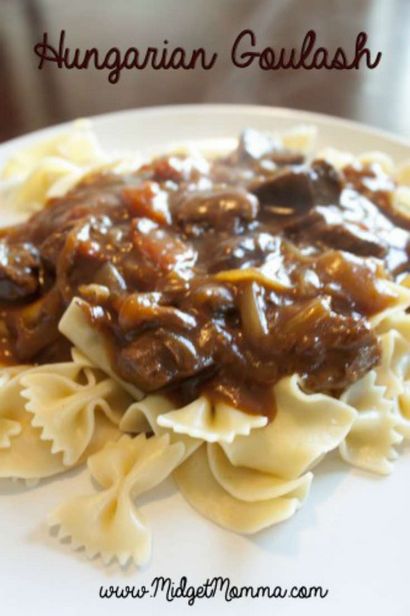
<point x="215" y="277"/>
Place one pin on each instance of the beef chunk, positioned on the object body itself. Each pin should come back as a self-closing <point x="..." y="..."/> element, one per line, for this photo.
<point x="332" y="228"/>
<point x="217" y="209"/>
<point x="287" y="193"/>
<point x="159" y="358"/>
<point x="327" y="183"/>
<point x="35" y="326"/>
<point x="19" y="270"/>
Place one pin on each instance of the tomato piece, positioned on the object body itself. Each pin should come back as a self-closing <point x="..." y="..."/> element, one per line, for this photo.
<point x="147" y="200"/>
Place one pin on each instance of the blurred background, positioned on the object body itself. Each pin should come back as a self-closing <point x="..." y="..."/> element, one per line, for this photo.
<point x="31" y="99"/>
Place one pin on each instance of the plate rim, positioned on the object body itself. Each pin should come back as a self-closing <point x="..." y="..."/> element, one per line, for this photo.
<point x="299" y="115"/>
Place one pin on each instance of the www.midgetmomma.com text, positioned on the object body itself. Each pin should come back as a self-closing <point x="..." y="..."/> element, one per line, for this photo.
<point x="169" y="590"/>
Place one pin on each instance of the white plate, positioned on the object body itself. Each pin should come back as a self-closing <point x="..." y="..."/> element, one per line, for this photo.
<point x="350" y="537"/>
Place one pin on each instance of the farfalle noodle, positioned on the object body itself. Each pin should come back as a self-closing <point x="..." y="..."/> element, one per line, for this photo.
<point x="200" y="488"/>
<point x="401" y="300"/>
<point x="247" y="484"/>
<point x="305" y="427"/>
<point x="382" y="399"/>
<point x="394" y="367"/>
<point x="212" y="423"/>
<point x="142" y="417"/>
<point x="108" y="523"/>
<point x="25" y="454"/>
<point x="75" y="326"/>
<point x="77" y="145"/>
<point x="65" y="408"/>
<point x="10" y="422"/>
<point x="371" y="441"/>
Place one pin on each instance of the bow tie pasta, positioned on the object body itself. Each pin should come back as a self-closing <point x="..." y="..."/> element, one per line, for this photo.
<point x="212" y="423"/>
<point x="50" y="167"/>
<point x="306" y="426"/>
<point x="108" y="523"/>
<point x="65" y="408"/>
<point x="76" y="328"/>
<point x="381" y="399"/>
<point x="48" y="419"/>
<point x="142" y="416"/>
<point x="206" y="494"/>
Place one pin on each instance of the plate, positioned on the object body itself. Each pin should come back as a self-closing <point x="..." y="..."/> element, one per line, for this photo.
<point x="351" y="537"/>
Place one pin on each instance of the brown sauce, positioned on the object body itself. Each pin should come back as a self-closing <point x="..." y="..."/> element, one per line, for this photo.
<point x="215" y="280"/>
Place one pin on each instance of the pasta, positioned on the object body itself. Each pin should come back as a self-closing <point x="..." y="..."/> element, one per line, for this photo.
<point x="402" y="174"/>
<point x="25" y="436"/>
<point x="167" y="279"/>
<point x="301" y="138"/>
<point x="22" y="437"/>
<point x="77" y="145"/>
<point x="305" y="427"/>
<point x="249" y="485"/>
<point x="381" y="398"/>
<point x="65" y="409"/>
<point x="108" y="522"/>
<point x="76" y="328"/>
<point x="200" y="488"/>
<point x="142" y="417"/>
<point x="370" y="443"/>
<point x="401" y="295"/>
<point x="10" y="422"/>
<point x="50" y="167"/>
<point x="394" y="368"/>
<point x="221" y="423"/>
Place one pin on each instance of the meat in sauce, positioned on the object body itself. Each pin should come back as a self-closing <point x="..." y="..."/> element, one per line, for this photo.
<point x="216" y="279"/>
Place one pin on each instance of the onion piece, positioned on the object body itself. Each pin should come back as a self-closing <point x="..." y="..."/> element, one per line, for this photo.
<point x="252" y="274"/>
<point x="253" y="317"/>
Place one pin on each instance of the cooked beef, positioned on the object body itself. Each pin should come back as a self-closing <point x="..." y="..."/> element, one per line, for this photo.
<point x="217" y="278"/>
<point x="20" y="270"/>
